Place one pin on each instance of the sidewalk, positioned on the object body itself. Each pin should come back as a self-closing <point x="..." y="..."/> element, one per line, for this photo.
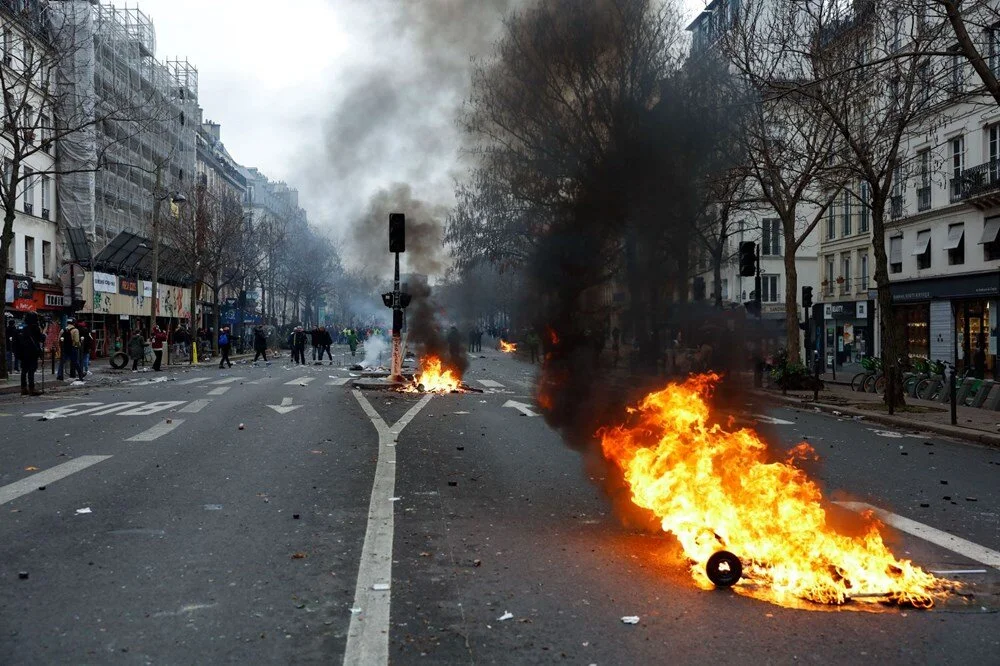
<point x="975" y="424"/>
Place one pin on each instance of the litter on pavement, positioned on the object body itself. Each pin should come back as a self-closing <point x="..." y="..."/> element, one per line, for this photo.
<point x="630" y="619"/>
<point x="84" y="510"/>
<point x="507" y="615"/>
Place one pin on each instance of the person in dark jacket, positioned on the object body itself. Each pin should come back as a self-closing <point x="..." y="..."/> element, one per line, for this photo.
<point x="30" y="341"/>
<point x="137" y="349"/>
<point x="225" y="344"/>
<point x="299" y="345"/>
<point x="325" y="340"/>
<point x="314" y="340"/>
<point x="259" y="343"/>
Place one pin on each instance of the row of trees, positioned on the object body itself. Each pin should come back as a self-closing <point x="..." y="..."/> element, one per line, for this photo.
<point x="602" y="153"/>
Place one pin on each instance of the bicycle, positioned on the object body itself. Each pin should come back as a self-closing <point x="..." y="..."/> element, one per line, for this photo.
<point x="864" y="381"/>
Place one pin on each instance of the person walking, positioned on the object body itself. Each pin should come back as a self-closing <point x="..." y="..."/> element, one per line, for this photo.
<point x="352" y="341"/>
<point x="86" y="347"/>
<point x="299" y="345"/>
<point x="259" y="343"/>
<point x="157" y="338"/>
<point x="137" y="349"/>
<point x="314" y="340"/>
<point x="325" y="341"/>
<point x="28" y="350"/>
<point x="224" y="345"/>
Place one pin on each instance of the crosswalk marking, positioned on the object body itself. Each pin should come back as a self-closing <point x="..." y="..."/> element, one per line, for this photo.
<point x="219" y="391"/>
<point x="340" y="381"/>
<point x="227" y="380"/>
<point x="24" y="486"/>
<point x="300" y="380"/>
<point x="193" y="381"/>
<point x="489" y="383"/>
<point x="195" y="406"/>
<point x="159" y="430"/>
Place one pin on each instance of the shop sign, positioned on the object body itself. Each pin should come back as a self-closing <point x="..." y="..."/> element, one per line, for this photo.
<point x="54" y="300"/>
<point x="772" y="308"/>
<point x="128" y="287"/>
<point x="862" y="310"/>
<point x="105" y="283"/>
<point x="960" y="286"/>
<point x="840" y="310"/>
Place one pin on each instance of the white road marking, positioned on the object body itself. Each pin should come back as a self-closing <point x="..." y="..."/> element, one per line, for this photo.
<point x="521" y="407"/>
<point x="227" y="380"/>
<point x="64" y="411"/>
<point x="368" y="633"/>
<point x="949" y="541"/>
<point x="26" y="485"/>
<point x="195" y="406"/>
<point x="152" y="408"/>
<point x="489" y="383"/>
<point x="340" y="381"/>
<point x="220" y="390"/>
<point x="300" y="380"/>
<point x="285" y="406"/>
<point x="957" y="572"/>
<point x="772" y="420"/>
<point x="157" y="431"/>
<point x="192" y="381"/>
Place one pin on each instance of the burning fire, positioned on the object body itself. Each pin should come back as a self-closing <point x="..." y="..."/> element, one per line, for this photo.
<point x="434" y="378"/>
<point x="717" y="490"/>
<point x="508" y="347"/>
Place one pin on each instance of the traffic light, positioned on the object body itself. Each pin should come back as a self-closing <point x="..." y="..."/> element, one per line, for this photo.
<point x="807" y="297"/>
<point x="699" y="288"/>
<point x="397" y="233"/>
<point x="404" y="299"/>
<point x="387" y="299"/>
<point x="748" y="258"/>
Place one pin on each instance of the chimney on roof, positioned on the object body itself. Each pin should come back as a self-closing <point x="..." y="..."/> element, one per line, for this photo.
<point x="213" y="129"/>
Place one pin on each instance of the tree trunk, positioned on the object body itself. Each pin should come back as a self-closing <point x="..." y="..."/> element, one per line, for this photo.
<point x="791" y="306"/>
<point x="215" y="319"/>
<point x="889" y="334"/>
<point x="717" y="274"/>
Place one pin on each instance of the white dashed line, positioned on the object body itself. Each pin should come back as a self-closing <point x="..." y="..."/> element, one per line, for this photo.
<point x="192" y="381"/>
<point x="489" y="383"/>
<point x="219" y="391"/>
<point x="227" y="380"/>
<point x="300" y="380"/>
<point x="157" y="431"/>
<point x="24" y="486"/>
<point x="339" y="381"/>
<point x="195" y="406"/>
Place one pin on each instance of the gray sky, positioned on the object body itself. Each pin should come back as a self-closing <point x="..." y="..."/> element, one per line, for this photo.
<point x="338" y="97"/>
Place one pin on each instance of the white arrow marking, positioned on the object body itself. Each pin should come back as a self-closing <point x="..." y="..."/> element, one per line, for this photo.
<point x="285" y="406"/>
<point x="521" y="407"/>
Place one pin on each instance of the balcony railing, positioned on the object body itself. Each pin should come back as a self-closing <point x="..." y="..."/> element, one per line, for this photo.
<point x="845" y="287"/>
<point x="979" y="180"/>
<point x="896" y="206"/>
<point x="29" y="208"/>
<point x="924" y="197"/>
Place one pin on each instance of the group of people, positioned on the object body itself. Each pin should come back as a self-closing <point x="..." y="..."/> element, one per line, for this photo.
<point x="321" y="342"/>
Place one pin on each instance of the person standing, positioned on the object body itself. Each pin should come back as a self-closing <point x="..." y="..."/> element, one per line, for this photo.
<point x="157" y="337"/>
<point x="13" y="363"/>
<point x="137" y="349"/>
<point x="352" y="341"/>
<point x="533" y="342"/>
<point x="224" y="346"/>
<point x="325" y="340"/>
<point x="299" y="345"/>
<point x="28" y="351"/>
<point x="259" y="343"/>
<point x="317" y="347"/>
<point x="86" y="347"/>
<point x="454" y="343"/>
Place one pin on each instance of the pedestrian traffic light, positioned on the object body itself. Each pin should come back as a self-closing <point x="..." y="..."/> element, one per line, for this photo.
<point x="397" y="233"/>
<point x="748" y="258"/>
<point x="699" y="288"/>
<point x="807" y="297"/>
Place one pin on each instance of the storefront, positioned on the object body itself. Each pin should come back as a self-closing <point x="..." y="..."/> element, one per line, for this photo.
<point x="951" y="318"/>
<point x="849" y="331"/>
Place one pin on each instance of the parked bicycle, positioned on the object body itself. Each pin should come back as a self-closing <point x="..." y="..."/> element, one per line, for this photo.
<point x="865" y="380"/>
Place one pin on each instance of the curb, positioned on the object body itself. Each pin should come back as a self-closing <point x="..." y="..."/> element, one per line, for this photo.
<point x="978" y="436"/>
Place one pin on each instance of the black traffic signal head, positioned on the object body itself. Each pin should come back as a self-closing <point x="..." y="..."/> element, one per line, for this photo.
<point x="807" y="297"/>
<point x="387" y="299"/>
<point x="748" y="258"/>
<point x="397" y="232"/>
<point x="404" y="299"/>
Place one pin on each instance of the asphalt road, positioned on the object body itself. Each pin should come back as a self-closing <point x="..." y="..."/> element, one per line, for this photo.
<point x="206" y="543"/>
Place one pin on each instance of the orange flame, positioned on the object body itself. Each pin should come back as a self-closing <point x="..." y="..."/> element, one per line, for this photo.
<point x="508" y="347"/>
<point x="553" y="337"/>
<point x="434" y="378"/>
<point x="714" y="489"/>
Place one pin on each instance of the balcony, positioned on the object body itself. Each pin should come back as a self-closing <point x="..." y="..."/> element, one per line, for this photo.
<point x="29" y="208"/>
<point x="45" y="213"/>
<point x="924" y="197"/>
<point x="862" y="284"/>
<point x="896" y="206"/>
<point x="979" y="186"/>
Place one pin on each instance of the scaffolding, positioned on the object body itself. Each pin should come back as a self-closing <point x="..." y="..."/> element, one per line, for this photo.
<point x="149" y="148"/>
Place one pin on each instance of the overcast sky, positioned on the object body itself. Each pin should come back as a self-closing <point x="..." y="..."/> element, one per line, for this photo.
<point x="299" y="87"/>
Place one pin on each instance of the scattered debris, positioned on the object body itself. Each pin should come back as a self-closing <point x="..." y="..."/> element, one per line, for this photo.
<point x="477" y="563"/>
<point x="83" y="510"/>
<point x="380" y="587"/>
<point x="943" y="482"/>
<point x="299" y="556"/>
<point x="507" y="615"/>
<point x="395" y="499"/>
<point x="213" y="507"/>
<point x="41" y="487"/>
<point x="355" y="611"/>
<point x="23" y="575"/>
<point x="295" y="516"/>
<point x="630" y="619"/>
<point x="971" y="499"/>
<point x="453" y="483"/>
<point x="242" y="426"/>
<point x="460" y="448"/>
<point x="30" y="468"/>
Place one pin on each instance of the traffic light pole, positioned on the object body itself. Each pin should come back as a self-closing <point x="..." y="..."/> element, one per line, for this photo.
<point x="397" y="326"/>
<point x="758" y="371"/>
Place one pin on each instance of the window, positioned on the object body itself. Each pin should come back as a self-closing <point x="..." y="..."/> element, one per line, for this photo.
<point x="45" y="132"/>
<point x="29" y="256"/>
<point x="769" y="288"/>
<point x="46" y="187"/>
<point x="864" y="210"/>
<point x="924" y="186"/>
<point x="864" y="272"/>
<point x="29" y="124"/>
<point x="830" y="276"/>
<point x="957" y="67"/>
<point x="846" y="214"/>
<point x="831" y="223"/>
<point x="994" y="149"/>
<point x="924" y="74"/>
<point x="29" y="191"/>
<point x="957" y="165"/>
<point x="8" y="45"/>
<point x="897" y="28"/>
<point x="896" y="254"/>
<point x="955" y="245"/>
<point x="771" y="239"/>
<point x="993" y="48"/>
<point x="46" y="259"/>
<point x="845" y="273"/>
<point x="991" y="239"/>
<point x="922" y="250"/>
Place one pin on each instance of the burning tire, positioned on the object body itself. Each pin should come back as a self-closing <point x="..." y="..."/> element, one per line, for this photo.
<point x="724" y="569"/>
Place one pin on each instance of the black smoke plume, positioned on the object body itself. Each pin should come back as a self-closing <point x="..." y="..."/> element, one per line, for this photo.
<point x="426" y="331"/>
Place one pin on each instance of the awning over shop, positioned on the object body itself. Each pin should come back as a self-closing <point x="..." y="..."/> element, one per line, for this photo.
<point x="132" y="255"/>
<point x="78" y="246"/>
<point x="990" y="230"/>
<point x="955" y="233"/>
<point x="923" y="242"/>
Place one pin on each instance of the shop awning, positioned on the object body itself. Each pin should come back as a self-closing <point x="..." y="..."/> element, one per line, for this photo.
<point x="990" y="230"/>
<point x="923" y="242"/>
<point x="79" y="248"/>
<point x="128" y="254"/>
<point x="955" y="233"/>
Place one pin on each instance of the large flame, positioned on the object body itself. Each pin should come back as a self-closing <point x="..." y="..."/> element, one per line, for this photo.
<point x="434" y="377"/>
<point x="507" y="347"/>
<point x="714" y="490"/>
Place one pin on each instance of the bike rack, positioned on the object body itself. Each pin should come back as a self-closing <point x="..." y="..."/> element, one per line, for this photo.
<point x="992" y="401"/>
<point x="985" y="387"/>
